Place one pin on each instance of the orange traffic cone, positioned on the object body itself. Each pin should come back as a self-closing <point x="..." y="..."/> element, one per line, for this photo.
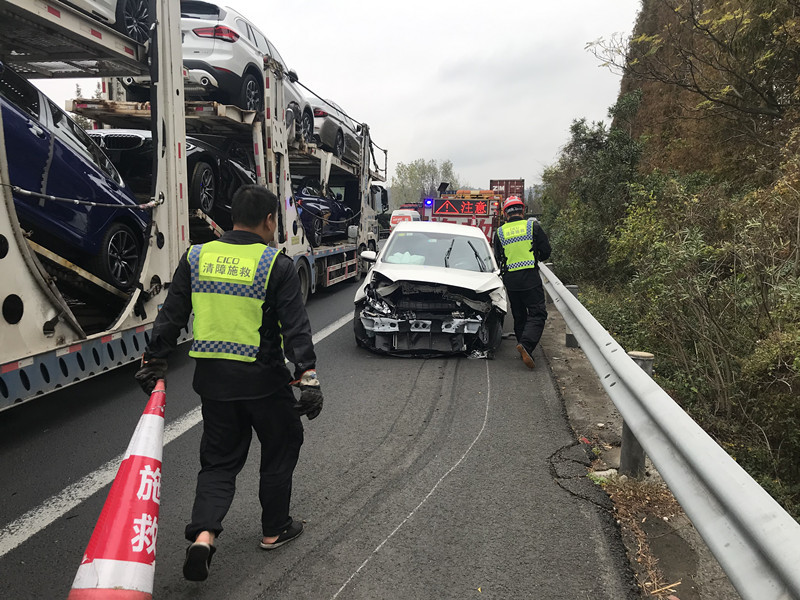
<point x="120" y="560"/>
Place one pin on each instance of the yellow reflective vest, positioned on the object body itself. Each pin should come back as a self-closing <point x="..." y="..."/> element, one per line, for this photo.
<point x="229" y="287"/>
<point x="517" y="240"/>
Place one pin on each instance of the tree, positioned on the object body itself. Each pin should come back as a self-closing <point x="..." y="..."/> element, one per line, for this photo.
<point x="586" y="194"/>
<point x="419" y="179"/>
<point x="739" y="58"/>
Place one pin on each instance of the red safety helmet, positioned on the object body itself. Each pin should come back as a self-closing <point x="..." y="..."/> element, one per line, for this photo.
<point x="513" y="204"/>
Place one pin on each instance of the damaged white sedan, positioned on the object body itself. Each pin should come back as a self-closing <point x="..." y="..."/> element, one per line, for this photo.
<point x="435" y="288"/>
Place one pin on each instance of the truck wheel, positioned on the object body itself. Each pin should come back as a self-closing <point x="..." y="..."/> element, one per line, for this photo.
<point x="133" y="19"/>
<point x="305" y="280"/>
<point x="307" y="127"/>
<point x="119" y="257"/>
<point x="250" y="95"/>
<point x="315" y="235"/>
<point x="338" y="146"/>
<point x="203" y="188"/>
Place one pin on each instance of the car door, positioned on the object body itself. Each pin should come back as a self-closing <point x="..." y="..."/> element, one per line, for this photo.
<point x="249" y="39"/>
<point x="81" y="171"/>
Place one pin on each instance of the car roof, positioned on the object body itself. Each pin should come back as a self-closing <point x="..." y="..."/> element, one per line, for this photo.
<point x="449" y="228"/>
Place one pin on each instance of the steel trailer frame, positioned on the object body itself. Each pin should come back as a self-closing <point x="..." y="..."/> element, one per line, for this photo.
<point x="42" y="344"/>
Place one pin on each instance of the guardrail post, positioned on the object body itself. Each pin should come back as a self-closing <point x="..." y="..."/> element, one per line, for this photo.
<point x="570" y="337"/>
<point x="632" y="457"/>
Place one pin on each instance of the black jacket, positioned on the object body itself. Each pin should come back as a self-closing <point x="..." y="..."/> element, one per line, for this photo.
<point x="284" y="315"/>
<point x="524" y="279"/>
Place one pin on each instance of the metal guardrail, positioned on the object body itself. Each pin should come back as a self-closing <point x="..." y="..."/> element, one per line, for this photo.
<point x="756" y="542"/>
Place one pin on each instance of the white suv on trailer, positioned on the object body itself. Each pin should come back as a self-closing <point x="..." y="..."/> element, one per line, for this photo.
<point x="224" y="54"/>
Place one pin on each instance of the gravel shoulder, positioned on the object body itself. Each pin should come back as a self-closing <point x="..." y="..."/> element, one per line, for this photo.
<point x="670" y="559"/>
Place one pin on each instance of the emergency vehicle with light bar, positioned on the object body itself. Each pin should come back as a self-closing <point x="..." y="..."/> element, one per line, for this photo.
<point x="480" y="208"/>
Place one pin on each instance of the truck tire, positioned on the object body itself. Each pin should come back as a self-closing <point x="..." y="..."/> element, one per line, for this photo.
<point x="307" y="127"/>
<point x="133" y="19"/>
<point x="315" y="235"/>
<point x="203" y="188"/>
<point x="338" y="145"/>
<point x="119" y="258"/>
<point x="305" y="279"/>
<point x="251" y="97"/>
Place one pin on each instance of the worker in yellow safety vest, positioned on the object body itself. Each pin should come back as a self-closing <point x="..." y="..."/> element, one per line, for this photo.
<point x="249" y="317"/>
<point x="519" y="245"/>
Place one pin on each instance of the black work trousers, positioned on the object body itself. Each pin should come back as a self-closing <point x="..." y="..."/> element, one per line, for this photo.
<point x="227" y="432"/>
<point x="530" y="313"/>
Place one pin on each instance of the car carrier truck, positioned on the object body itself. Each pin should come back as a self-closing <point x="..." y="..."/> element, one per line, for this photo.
<point x="61" y="324"/>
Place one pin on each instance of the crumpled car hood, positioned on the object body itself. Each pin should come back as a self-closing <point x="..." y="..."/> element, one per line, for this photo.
<point x="472" y="280"/>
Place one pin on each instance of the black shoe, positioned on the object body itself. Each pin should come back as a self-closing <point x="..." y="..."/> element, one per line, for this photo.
<point x="287" y="535"/>
<point x="198" y="561"/>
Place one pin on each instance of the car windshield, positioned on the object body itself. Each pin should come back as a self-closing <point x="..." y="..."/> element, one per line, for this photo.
<point x="439" y="250"/>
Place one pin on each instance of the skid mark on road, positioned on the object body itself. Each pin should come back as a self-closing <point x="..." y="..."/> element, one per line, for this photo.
<point x="419" y="383"/>
<point x="35" y="520"/>
<point x="429" y="494"/>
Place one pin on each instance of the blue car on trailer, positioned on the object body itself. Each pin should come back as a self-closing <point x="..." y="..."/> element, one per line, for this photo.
<point x="53" y="156"/>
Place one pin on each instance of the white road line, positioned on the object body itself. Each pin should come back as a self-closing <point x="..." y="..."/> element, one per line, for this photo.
<point x="35" y="520"/>
<point x="430" y="493"/>
<point x="326" y="331"/>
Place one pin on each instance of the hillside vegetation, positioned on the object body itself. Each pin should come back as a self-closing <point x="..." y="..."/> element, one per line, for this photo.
<point x="681" y="219"/>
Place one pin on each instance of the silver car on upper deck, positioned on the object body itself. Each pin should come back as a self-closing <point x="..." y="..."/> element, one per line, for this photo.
<point x="335" y="131"/>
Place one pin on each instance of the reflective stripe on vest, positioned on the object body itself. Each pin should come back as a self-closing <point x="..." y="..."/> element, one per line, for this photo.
<point x="229" y="287"/>
<point x="517" y="238"/>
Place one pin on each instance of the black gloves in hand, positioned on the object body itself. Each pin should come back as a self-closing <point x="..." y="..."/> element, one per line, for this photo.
<point x="310" y="403"/>
<point x="150" y="372"/>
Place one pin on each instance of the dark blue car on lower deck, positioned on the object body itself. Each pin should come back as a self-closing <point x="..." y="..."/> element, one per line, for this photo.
<point x="50" y="154"/>
<point x="323" y="216"/>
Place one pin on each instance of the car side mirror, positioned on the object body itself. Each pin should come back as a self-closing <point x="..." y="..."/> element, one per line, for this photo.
<point x="384" y="199"/>
<point x="292" y="75"/>
<point x="369" y="256"/>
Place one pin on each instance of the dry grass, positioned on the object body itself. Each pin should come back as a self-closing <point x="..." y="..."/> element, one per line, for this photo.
<point x="634" y="503"/>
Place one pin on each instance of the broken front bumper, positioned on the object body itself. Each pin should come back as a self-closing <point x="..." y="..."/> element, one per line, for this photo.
<point x="405" y="335"/>
<point x="420" y="335"/>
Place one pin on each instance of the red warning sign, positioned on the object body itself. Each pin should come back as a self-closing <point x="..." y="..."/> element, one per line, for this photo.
<point x="456" y="206"/>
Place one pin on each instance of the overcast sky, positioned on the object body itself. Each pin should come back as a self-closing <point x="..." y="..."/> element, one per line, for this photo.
<point x="491" y="86"/>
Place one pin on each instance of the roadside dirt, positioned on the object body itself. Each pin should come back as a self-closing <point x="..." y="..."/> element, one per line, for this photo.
<point x="668" y="556"/>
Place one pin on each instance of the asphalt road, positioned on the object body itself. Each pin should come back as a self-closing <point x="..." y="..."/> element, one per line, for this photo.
<point x="422" y="478"/>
